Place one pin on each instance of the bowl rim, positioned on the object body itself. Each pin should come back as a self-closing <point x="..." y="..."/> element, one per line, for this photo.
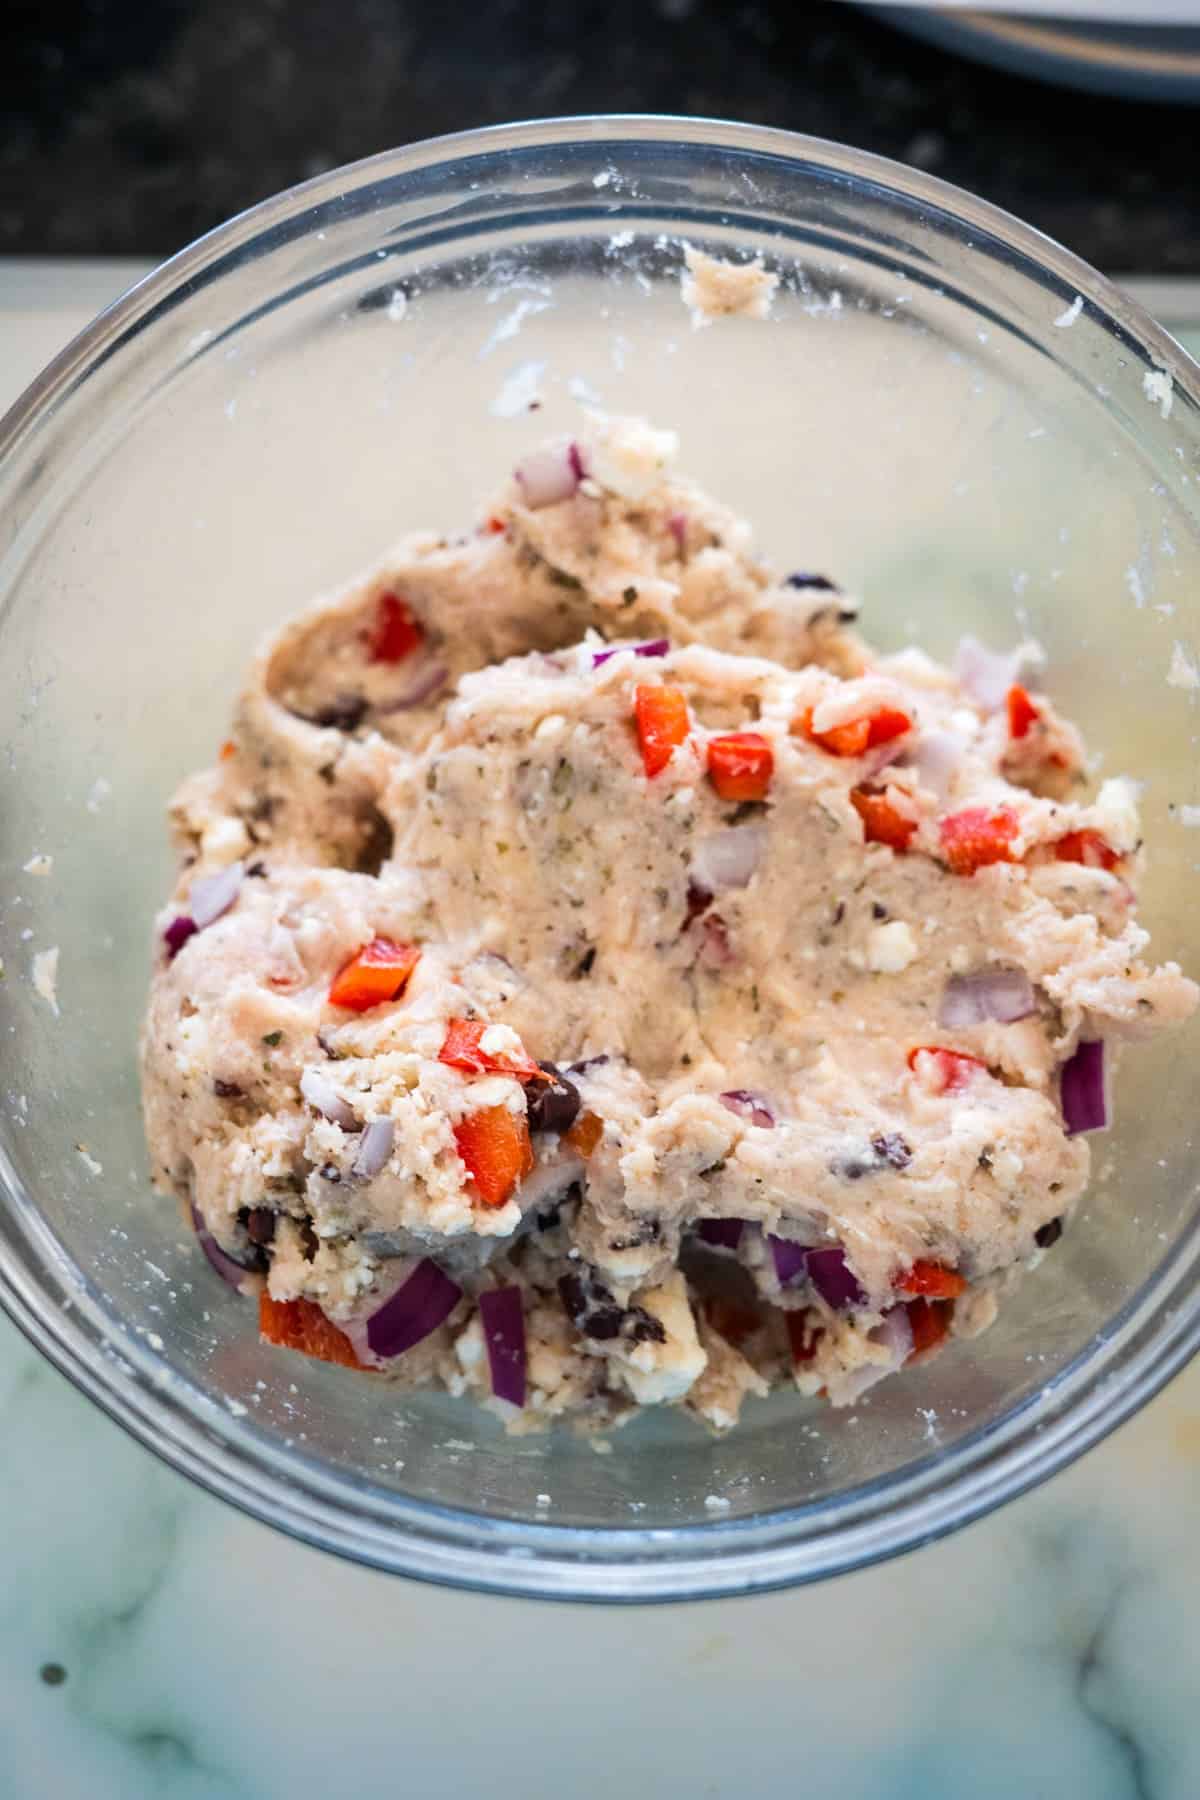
<point x="1159" y="1328"/>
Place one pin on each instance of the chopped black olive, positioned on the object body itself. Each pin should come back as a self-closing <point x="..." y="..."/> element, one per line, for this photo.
<point x="260" y="1225"/>
<point x="585" y="964"/>
<point x="820" y="582"/>
<point x="257" y="869"/>
<point x="553" y="1105"/>
<point x="1048" y="1234"/>
<point x="878" y="910"/>
<point x="227" y="1090"/>
<point x="308" y="1240"/>
<point x="893" y="1149"/>
<point x="346" y="713"/>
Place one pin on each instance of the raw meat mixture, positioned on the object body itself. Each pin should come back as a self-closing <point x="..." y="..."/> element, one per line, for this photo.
<point x="594" y="979"/>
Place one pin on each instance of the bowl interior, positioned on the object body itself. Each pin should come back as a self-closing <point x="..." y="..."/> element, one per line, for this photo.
<point x="262" y="419"/>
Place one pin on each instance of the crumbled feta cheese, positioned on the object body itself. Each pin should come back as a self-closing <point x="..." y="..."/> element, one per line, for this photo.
<point x="891" y="947"/>
<point x="552" y="726"/>
<point x="45" y="977"/>
<point x="1117" y="805"/>
<point x="628" y="456"/>
<point x="88" y="1160"/>
<point x="716" y="1503"/>
<point x="501" y="1040"/>
<point x="1189" y="815"/>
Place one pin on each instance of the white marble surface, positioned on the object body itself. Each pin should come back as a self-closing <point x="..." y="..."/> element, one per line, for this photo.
<point x="1052" y="1650"/>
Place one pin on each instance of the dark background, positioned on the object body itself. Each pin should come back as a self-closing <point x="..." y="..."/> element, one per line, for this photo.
<point x="129" y="126"/>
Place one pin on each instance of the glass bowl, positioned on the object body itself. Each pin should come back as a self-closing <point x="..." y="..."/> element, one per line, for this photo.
<point x="947" y="411"/>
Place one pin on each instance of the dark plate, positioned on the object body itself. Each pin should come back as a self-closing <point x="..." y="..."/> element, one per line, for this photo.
<point x="1142" y="62"/>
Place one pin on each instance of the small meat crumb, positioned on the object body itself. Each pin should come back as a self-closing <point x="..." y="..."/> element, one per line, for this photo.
<point x="39" y="865"/>
<point x="891" y="947"/>
<point x="45" y="977"/>
<point x="713" y="289"/>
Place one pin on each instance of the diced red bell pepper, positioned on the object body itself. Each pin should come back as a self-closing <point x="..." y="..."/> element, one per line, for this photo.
<point x="379" y="973"/>
<point x="228" y="749"/>
<point x="1022" y="713"/>
<point x="301" y="1325"/>
<point x="977" y="836"/>
<point x="740" y="765"/>
<point x="943" y="1071"/>
<point x="494" y="1144"/>
<point x="396" y="632"/>
<point x="585" y="1133"/>
<point x="930" y="1322"/>
<point x="883" y="822"/>
<point x="661" y="716"/>
<point x="803" y="1336"/>
<point x="932" y="1280"/>
<point x="856" y="736"/>
<point x="461" y="1049"/>
<point x="1086" y="847"/>
<point x="494" y="526"/>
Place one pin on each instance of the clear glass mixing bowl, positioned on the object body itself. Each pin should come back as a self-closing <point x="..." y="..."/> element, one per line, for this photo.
<point x="929" y="414"/>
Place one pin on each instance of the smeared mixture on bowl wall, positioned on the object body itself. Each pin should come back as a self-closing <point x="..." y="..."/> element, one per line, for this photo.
<point x="595" y="979"/>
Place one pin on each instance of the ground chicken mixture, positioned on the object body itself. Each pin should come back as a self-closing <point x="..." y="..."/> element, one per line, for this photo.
<point x="596" y="979"/>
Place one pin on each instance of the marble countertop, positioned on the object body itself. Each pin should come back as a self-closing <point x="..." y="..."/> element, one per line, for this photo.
<point x="154" y="1643"/>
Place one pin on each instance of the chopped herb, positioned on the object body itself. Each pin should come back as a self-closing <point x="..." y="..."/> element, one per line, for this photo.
<point x="273" y="1038"/>
<point x="560" y="578"/>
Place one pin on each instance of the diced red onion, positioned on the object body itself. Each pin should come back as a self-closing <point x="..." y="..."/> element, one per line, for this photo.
<point x="375" y="1148"/>
<point x="722" y="1234"/>
<point x="212" y="895"/>
<point x="422" y="1302"/>
<point x="227" y="1267"/>
<point x="325" y="1099"/>
<point x="833" y="1279"/>
<point x="937" y="757"/>
<point x="1081" y="1082"/>
<point x="748" y="1105"/>
<point x="423" y="688"/>
<point x="549" y="475"/>
<point x="790" y="1259"/>
<point x="502" y="1316"/>
<point x="715" y="947"/>
<point x="1004" y="995"/>
<point x="986" y="674"/>
<point x="894" y="1333"/>
<point x="656" y="647"/>
<point x="728" y="859"/>
<point x="177" y="934"/>
<point x="677" y="525"/>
